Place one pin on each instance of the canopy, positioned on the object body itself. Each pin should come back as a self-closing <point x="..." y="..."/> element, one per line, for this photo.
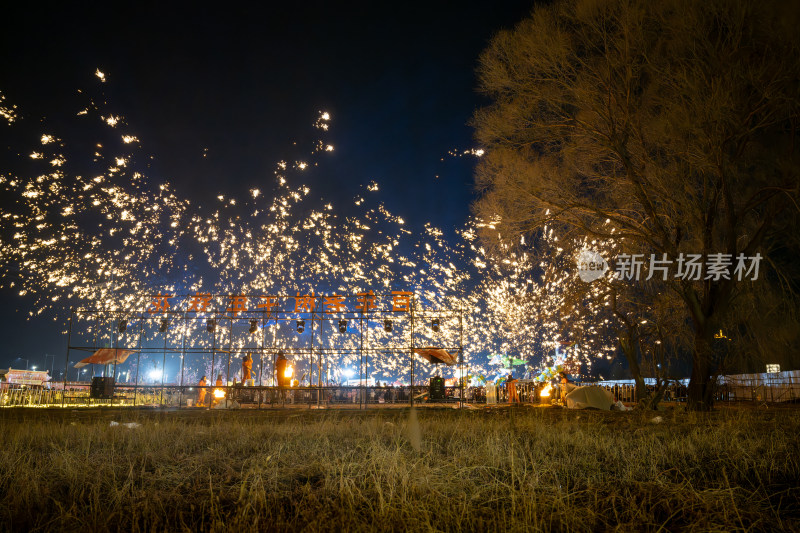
<point x="106" y="356"/>
<point x="436" y="355"/>
<point x="589" y="397"/>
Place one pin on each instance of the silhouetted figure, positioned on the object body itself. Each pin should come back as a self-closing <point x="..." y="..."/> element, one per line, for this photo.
<point x="511" y="385"/>
<point x="280" y="370"/>
<point x="565" y="386"/>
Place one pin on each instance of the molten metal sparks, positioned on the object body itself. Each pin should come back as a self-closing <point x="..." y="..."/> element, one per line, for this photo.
<point x="112" y="237"/>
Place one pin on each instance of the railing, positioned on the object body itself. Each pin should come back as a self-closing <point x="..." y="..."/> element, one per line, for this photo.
<point x="728" y="389"/>
<point x="29" y="397"/>
<point x="78" y="394"/>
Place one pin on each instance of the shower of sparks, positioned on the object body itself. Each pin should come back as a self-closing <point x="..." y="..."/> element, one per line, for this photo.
<point x="110" y="237"/>
<point x="8" y="113"/>
<point x="477" y="152"/>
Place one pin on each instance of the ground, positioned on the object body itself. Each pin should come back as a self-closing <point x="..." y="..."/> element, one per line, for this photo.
<point x="439" y="469"/>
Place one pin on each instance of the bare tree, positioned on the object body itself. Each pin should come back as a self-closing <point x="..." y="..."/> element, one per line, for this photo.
<point x="643" y="320"/>
<point x="674" y="120"/>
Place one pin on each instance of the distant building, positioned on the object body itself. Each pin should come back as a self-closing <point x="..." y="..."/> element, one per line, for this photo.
<point x="32" y="378"/>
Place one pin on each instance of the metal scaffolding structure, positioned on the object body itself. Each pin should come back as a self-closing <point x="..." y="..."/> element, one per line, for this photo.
<point x="311" y="338"/>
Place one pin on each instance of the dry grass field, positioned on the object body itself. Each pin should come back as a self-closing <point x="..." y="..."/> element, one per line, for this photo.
<point x="502" y="469"/>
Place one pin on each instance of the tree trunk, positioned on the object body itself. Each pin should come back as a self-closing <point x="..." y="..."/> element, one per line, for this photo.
<point x="701" y="386"/>
<point x="629" y="342"/>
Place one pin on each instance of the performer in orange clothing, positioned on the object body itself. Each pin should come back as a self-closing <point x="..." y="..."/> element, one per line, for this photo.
<point x="201" y="392"/>
<point x="218" y="386"/>
<point x="511" y="384"/>
<point x="247" y="367"/>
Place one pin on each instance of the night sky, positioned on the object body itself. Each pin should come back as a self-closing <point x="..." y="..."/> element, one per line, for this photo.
<point x="218" y="95"/>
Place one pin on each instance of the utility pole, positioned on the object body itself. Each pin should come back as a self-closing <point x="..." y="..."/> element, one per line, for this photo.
<point x="45" y="362"/>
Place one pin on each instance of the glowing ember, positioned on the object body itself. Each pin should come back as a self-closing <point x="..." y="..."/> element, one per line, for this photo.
<point x="219" y="393"/>
<point x="110" y="237"/>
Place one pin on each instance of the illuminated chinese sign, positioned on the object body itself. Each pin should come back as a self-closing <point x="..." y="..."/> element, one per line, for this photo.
<point x="236" y="304"/>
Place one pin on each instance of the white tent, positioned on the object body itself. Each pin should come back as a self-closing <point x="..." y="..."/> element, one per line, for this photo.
<point x="589" y="397"/>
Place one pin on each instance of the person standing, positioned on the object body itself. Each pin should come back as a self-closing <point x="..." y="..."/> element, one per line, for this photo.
<point x="511" y="385"/>
<point x="201" y="391"/>
<point x="565" y="386"/>
<point x="218" y="386"/>
<point x="247" y="368"/>
<point x="280" y="370"/>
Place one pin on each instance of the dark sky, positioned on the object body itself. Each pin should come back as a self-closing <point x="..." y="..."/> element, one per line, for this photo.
<point x="245" y="82"/>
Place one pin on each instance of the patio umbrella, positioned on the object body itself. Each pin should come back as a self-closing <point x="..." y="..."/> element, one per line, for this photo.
<point x="106" y="356"/>
<point x="436" y="355"/>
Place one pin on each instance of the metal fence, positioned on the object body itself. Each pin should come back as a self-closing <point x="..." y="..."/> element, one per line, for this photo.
<point x="728" y="389"/>
<point x="30" y="397"/>
<point x="746" y="388"/>
<point x="755" y="388"/>
<point x="79" y="394"/>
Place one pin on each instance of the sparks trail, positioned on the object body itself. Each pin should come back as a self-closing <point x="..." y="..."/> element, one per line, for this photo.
<point x="86" y="225"/>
